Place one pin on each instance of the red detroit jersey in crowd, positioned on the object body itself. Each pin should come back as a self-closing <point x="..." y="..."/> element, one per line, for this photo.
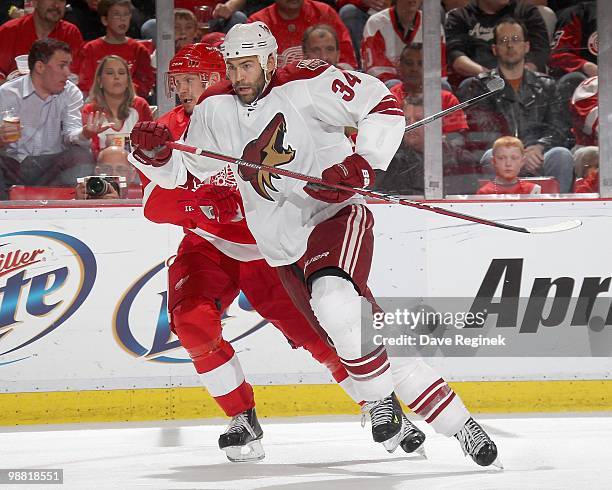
<point x="18" y="35"/>
<point x="454" y="122"/>
<point x="521" y="187"/>
<point x="383" y="42"/>
<point x="584" y="108"/>
<point x="288" y="33"/>
<point x="132" y="51"/>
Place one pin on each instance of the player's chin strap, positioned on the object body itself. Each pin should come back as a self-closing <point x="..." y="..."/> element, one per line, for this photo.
<point x="567" y="225"/>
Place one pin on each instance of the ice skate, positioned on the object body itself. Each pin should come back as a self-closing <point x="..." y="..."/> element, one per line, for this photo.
<point x="476" y="442"/>
<point x="242" y="439"/>
<point x="386" y="416"/>
<point x="412" y="438"/>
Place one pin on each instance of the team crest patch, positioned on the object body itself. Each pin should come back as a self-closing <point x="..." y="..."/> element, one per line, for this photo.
<point x="311" y="64"/>
<point x="268" y="150"/>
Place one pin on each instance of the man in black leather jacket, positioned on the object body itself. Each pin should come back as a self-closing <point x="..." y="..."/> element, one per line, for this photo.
<point x="469" y="35"/>
<point x="528" y="108"/>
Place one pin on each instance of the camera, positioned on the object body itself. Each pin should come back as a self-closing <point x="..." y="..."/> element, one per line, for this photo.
<point x="97" y="186"/>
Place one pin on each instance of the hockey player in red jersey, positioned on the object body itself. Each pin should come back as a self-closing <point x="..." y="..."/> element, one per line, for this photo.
<point x="218" y="258"/>
<point x="319" y="239"/>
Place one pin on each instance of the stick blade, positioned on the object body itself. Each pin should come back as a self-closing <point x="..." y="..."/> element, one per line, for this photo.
<point x="494" y="84"/>
<point x="556" y="228"/>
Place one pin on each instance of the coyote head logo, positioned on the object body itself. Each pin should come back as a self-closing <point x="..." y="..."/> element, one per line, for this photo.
<point x="268" y="150"/>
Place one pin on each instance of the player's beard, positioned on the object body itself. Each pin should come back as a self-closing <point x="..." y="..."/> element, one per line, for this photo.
<point x="257" y="89"/>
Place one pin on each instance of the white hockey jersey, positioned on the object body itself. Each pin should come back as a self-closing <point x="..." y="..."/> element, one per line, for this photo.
<point x="298" y="124"/>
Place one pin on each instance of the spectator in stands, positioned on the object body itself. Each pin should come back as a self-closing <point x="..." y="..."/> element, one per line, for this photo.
<point x="226" y="15"/>
<point x="355" y="14"/>
<point x="185" y="28"/>
<point x="385" y="35"/>
<point x="469" y="36"/>
<point x="186" y="31"/>
<point x="405" y="174"/>
<point x="84" y="14"/>
<point x="223" y="15"/>
<point x="460" y="164"/>
<point x="112" y="161"/>
<point x="288" y="19"/>
<point x="410" y="71"/>
<point x="449" y="5"/>
<point x="584" y="110"/>
<point x="18" y="35"/>
<point x="528" y="107"/>
<point x="321" y="42"/>
<point x="587" y="169"/>
<point x="112" y="94"/>
<point x="50" y="145"/>
<point x="507" y="160"/>
<point x="116" y="15"/>
<point x="575" y="47"/>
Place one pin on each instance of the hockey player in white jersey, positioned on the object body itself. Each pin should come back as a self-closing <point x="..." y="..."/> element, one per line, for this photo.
<point x="319" y="239"/>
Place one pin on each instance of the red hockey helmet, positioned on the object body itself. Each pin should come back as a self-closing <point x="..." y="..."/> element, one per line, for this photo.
<point x="195" y="58"/>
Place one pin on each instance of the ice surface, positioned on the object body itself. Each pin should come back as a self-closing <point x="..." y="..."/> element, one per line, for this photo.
<point x="315" y="453"/>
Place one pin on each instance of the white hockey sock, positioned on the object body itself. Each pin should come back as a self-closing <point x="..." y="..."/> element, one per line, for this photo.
<point x="427" y="394"/>
<point x="337" y="306"/>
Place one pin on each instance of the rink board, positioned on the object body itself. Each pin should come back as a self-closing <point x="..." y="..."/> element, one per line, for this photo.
<point x="84" y="333"/>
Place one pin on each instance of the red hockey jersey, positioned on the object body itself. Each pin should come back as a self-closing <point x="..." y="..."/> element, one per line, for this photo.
<point x="521" y="187"/>
<point x="576" y="40"/>
<point x="585" y="113"/>
<point x="288" y="33"/>
<point x="18" y="35"/>
<point x="383" y="42"/>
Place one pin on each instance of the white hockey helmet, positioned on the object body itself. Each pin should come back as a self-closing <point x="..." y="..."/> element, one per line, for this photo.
<point x="253" y="39"/>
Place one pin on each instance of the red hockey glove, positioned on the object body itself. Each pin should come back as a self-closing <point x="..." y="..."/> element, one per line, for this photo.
<point x="219" y="203"/>
<point x="150" y="139"/>
<point x="354" y="171"/>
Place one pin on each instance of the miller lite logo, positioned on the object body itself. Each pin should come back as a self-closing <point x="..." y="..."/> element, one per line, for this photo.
<point x="13" y="260"/>
<point x="45" y="276"/>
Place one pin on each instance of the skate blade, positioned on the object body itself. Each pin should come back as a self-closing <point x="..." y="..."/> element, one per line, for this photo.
<point x="498" y="464"/>
<point x="391" y="444"/>
<point x="421" y="451"/>
<point x="249" y="453"/>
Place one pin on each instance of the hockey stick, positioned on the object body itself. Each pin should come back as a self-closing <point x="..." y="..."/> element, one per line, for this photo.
<point x="566" y="225"/>
<point x="494" y="85"/>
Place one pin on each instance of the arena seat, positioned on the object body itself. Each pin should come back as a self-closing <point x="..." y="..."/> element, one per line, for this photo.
<point x="40" y="193"/>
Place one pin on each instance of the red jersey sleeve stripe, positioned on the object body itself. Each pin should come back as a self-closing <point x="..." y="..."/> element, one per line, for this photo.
<point x="388" y="105"/>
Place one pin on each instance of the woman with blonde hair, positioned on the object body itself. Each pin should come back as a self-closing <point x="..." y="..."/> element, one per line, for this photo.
<point x="112" y="94"/>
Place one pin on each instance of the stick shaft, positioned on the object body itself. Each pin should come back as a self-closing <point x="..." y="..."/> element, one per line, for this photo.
<point x="357" y="190"/>
<point x="448" y="110"/>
